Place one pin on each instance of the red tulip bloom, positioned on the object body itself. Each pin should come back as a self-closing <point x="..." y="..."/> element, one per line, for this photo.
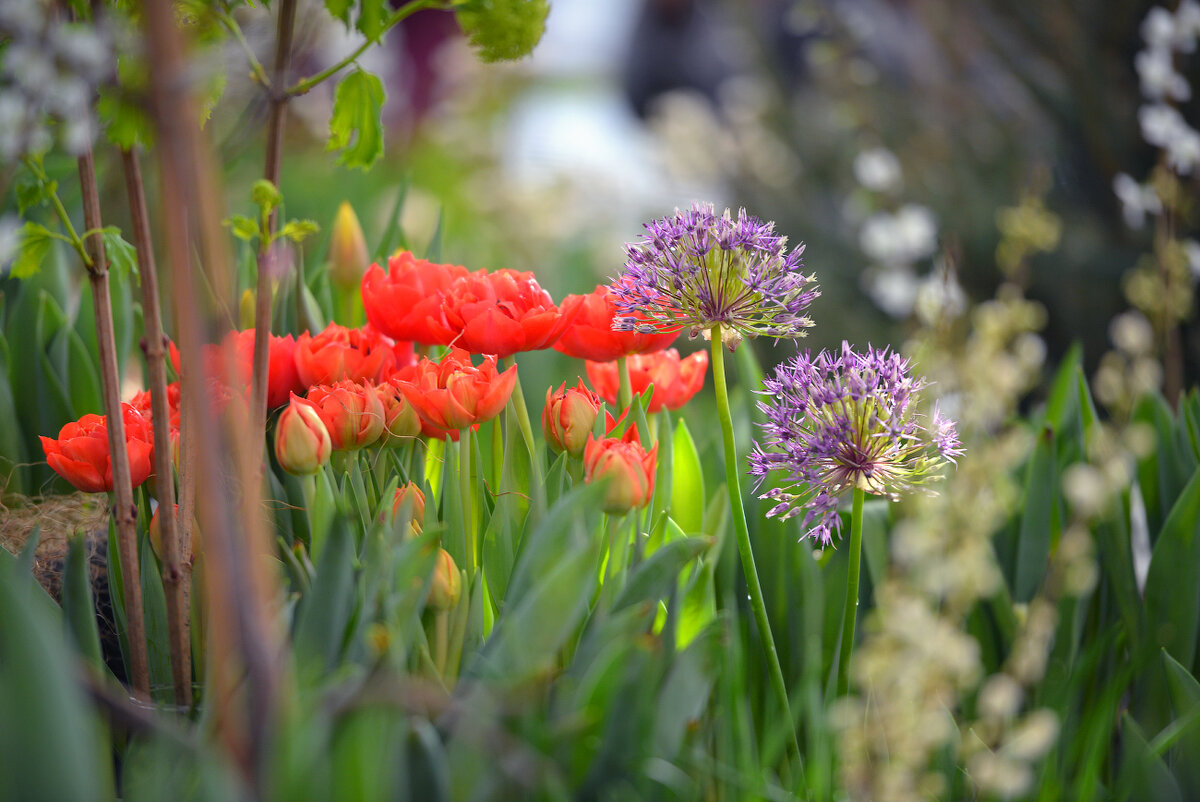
<point x="351" y="412"/>
<point x="339" y="353"/>
<point x="627" y="467"/>
<point x="81" y="455"/>
<point x="502" y="313"/>
<point x="282" y="378"/>
<point x="675" y="380"/>
<point x="143" y="404"/>
<point x="591" y="335"/>
<point x="454" y="393"/>
<point x="405" y="303"/>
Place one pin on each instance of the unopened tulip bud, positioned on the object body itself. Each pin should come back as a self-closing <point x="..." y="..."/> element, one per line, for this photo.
<point x="401" y="423"/>
<point x="411" y="494"/>
<point x="154" y="531"/>
<point x="348" y="257"/>
<point x="627" y="467"/>
<point x="246" y="310"/>
<point x="568" y="417"/>
<point x="446" y="588"/>
<point x="302" y="443"/>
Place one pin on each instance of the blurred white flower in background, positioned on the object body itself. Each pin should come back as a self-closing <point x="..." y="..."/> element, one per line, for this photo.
<point x="1164" y="127"/>
<point x="1165" y="34"/>
<point x="49" y="71"/>
<point x="1191" y="249"/>
<point x="1137" y="200"/>
<point x="903" y="238"/>
<point x="877" y="169"/>
<point x="892" y="289"/>
<point x="940" y="296"/>
<point x="1156" y="71"/>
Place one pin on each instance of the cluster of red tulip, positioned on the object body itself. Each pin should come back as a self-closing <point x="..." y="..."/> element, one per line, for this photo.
<point x="345" y="389"/>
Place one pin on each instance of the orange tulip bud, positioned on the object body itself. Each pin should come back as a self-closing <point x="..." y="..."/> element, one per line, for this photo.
<point x="400" y="419"/>
<point x="446" y="588"/>
<point x="411" y="494"/>
<point x="155" y="532"/>
<point x="626" y="466"/>
<point x="568" y="417"/>
<point x="302" y="442"/>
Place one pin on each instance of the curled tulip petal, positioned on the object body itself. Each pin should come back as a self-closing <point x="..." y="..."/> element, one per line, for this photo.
<point x="591" y="336"/>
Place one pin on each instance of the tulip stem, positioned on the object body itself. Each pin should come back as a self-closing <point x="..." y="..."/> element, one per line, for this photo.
<point x="468" y="497"/>
<point x="625" y="388"/>
<point x="850" y="611"/>
<point x="738" y="513"/>
<point x="522" y="412"/>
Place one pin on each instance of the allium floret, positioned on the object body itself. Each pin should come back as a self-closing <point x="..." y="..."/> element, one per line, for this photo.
<point x="843" y="421"/>
<point x="697" y="269"/>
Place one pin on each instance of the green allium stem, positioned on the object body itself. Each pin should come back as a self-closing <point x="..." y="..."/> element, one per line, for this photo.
<point x="850" y="613"/>
<point x="738" y="513"/>
<point x="625" y="389"/>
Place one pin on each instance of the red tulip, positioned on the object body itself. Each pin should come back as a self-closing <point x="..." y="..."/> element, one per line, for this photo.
<point x="405" y="303"/>
<point x="568" y="417"/>
<point x="454" y="393"/>
<point x="675" y="380"/>
<point x="302" y="441"/>
<point x="351" y="411"/>
<point x="502" y="313"/>
<point x="282" y="378"/>
<point x="591" y="335"/>
<point x="339" y="353"/>
<point x="412" y="494"/>
<point x="81" y="455"/>
<point x="626" y="466"/>
<point x="143" y="404"/>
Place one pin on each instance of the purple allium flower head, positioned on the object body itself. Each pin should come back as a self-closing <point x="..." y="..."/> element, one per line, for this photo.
<point x="696" y="269"/>
<point x="843" y="421"/>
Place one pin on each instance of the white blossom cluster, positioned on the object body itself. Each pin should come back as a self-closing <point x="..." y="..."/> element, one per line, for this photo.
<point x="48" y="77"/>
<point x="896" y="242"/>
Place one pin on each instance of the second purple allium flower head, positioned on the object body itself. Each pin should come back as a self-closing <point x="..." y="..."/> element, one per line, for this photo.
<point x="843" y="421"/>
<point x="697" y="269"/>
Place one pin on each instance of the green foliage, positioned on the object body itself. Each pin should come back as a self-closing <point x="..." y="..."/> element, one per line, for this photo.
<point x="503" y="30"/>
<point x="122" y="256"/>
<point x="355" y="127"/>
<point x="36" y="241"/>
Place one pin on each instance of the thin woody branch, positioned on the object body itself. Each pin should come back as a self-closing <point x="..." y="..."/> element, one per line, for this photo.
<point x="124" y="511"/>
<point x="177" y="573"/>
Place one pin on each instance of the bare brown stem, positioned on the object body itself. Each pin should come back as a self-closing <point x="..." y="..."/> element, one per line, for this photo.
<point x="124" y="511"/>
<point x="242" y="643"/>
<point x="262" y="307"/>
<point x="176" y="571"/>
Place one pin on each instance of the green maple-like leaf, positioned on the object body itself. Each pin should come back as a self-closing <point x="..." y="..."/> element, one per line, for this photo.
<point x="503" y="30"/>
<point x="355" y="127"/>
